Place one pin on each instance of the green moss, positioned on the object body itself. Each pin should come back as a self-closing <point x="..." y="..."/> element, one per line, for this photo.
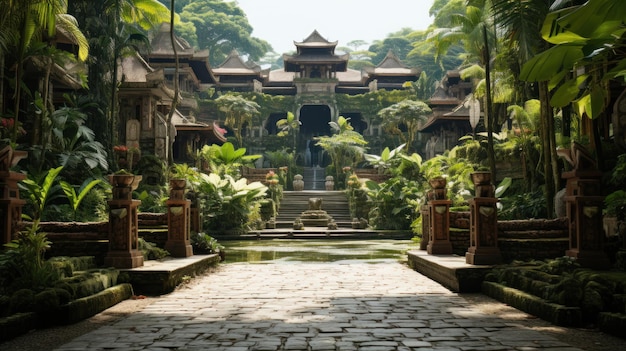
<point x="22" y="300"/>
<point x="567" y="292"/>
<point x="5" y="305"/>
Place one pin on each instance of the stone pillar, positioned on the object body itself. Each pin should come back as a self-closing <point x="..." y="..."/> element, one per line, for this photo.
<point x="196" y="219"/>
<point x="584" y="205"/>
<point x="123" y="224"/>
<point x="439" y="213"/>
<point x="483" y="247"/>
<point x="425" y="227"/>
<point x="178" y="221"/>
<point x="10" y="202"/>
<point x="584" y="213"/>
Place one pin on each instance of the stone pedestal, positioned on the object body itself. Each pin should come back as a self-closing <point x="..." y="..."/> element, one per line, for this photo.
<point x="178" y="221"/>
<point x="123" y="223"/>
<point x="584" y="205"/>
<point x="123" y="235"/>
<point x="584" y="213"/>
<point x="483" y="232"/>
<point x="179" y="227"/>
<point x="314" y="216"/>
<point x="425" y="213"/>
<point x="587" y="238"/>
<point x="439" y="238"/>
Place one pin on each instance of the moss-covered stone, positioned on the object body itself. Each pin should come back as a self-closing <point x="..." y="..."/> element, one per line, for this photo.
<point x="554" y="313"/>
<point x="23" y="300"/>
<point x="612" y="323"/>
<point x="86" y="307"/>
<point x="592" y="304"/>
<point x="567" y="292"/>
<point x="5" y="305"/>
<point x="17" y="324"/>
<point x="93" y="281"/>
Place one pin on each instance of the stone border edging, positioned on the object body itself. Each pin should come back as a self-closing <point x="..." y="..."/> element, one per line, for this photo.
<point x="531" y="304"/>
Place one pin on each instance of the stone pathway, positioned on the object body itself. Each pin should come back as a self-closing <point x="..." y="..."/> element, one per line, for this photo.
<point x="314" y="306"/>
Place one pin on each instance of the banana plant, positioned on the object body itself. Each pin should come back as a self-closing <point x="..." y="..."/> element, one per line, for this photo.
<point x="386" y="159"/>
<point x="40" y="190"/>
<point x="75" y="198"/>
<point x="225" y="159"/>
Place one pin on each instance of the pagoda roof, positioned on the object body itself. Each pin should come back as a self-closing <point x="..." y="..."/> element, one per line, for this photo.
<point x="391" y="65"/>
<point x="315" y="50"/>
<point x="460" y="114"/>
<point x="315" y="40"/>
<point x="162" y="52"/>
<point x="136" y="73"/>
<point x="234" y="65"/>
<point x="161" y="45"/>
<point x="181" y="123"/>
<point x="316" y="58"/>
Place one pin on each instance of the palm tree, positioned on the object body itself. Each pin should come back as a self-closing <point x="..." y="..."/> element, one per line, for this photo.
<point x="238" y="111"/>
<point x="26" y="23"/>
<point x="521" y="23"/>
<point x="289" y="126"/>
<point x="475" y="29"/>
<point x="345" y="147"/>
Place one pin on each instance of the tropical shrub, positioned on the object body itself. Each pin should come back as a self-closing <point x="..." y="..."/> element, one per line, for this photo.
<point x="204" y="243"/>
<point x="22" y="264"/>
<point x="228" y="203"/>
<point x="394" y="203"/>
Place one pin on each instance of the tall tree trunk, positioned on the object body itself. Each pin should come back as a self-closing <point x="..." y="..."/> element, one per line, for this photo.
<point x="489" y="110"/>
<point x="547" y="137"/>
<point x="113" y="115"/>
<point x="176" y="88"/>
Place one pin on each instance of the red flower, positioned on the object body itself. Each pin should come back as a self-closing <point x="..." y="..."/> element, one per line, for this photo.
<point x="120" y="148"/>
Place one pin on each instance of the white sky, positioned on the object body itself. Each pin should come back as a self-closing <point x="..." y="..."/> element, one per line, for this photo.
<point x="281" y="22"/>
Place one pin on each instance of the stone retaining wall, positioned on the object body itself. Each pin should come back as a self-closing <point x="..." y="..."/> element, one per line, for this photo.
<point x="517" y="240"/>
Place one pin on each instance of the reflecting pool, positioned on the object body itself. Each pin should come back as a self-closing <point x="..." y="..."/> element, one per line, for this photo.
<point x="292" y="251"/>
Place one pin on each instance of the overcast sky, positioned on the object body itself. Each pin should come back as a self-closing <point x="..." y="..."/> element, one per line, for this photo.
<point x="280" y="22"/>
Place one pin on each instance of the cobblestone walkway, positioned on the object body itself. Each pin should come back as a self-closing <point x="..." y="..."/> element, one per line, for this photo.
<point x="314" y="306"/>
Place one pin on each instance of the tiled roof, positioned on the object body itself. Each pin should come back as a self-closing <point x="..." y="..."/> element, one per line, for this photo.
<point x="315" y="39"/>
<point x="391" y="65"/>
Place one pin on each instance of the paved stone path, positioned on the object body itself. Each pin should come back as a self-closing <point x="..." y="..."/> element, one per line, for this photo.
<point x="314" y="306"/>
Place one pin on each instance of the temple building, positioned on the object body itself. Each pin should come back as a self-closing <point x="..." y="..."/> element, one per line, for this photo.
<point x="314" y="80"/>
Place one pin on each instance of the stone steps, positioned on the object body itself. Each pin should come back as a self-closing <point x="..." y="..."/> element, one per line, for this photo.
<point x="293" y="203"/>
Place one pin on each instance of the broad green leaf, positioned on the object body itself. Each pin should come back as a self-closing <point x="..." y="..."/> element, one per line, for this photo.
<point x="568" y="92"/>
<point x="553" y="32"/>
<point x="618" y="71"/>
<point x="595" y="18"/>
<point x="597" y="103"/>
<point x="557" y="79"/>
<point x="545" y="65"/>
<point x="581" y="104"/>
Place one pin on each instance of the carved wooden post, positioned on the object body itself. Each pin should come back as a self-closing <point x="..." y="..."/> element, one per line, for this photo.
<point x="123" y="224"/>
<point x="439" y="213"/>
<point x="483" y="247"/>
<point x="178" y="220"/>
<point x="10" y="202"/>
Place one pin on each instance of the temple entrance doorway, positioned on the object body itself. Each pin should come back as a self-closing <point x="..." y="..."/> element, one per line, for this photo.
<point x="314" y="121"/>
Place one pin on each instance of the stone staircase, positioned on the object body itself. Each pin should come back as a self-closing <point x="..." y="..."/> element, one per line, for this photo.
<point x="314" y="178"/>
<point x="335" y="203"/>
